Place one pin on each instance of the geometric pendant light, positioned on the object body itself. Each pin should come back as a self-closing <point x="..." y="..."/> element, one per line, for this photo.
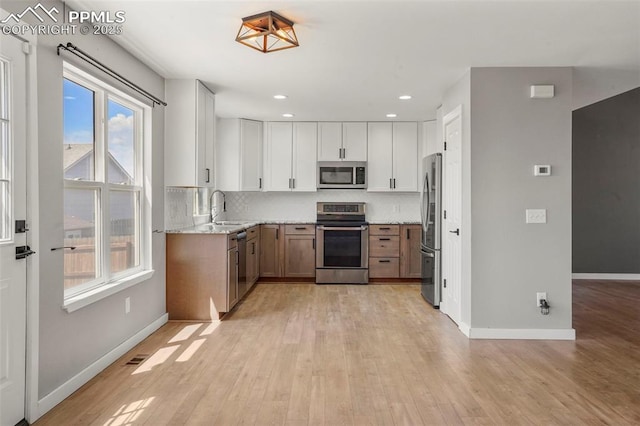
<point x="267" y="32"/>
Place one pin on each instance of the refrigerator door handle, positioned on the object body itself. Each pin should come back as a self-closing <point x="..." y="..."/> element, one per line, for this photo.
<point x="427" y="206"/>
<point x="428" y="254"/>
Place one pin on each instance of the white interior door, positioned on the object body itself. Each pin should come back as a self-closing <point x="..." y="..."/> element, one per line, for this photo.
<point x="13" y="272"/>
<point x="451" y="230"/>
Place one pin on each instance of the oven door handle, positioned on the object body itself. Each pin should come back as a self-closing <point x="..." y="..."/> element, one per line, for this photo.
<point x="342" y="228"/>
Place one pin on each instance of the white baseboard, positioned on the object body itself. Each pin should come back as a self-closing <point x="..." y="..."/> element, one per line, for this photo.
<point x="73" y="384"/>
<point x="522" y="333"/>
<point x="632" y="277"/>
<point x="464" y="328"/>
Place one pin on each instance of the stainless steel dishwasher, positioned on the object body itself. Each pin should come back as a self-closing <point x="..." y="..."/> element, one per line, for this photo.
<point x="242" y="263"/>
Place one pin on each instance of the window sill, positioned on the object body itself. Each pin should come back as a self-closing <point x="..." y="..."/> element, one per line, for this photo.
<point x="79" y="301"/>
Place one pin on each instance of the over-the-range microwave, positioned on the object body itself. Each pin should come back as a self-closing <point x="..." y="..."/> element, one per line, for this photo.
<point x="342" y="174"/>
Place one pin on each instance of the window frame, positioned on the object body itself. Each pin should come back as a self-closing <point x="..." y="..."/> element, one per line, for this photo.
<point x="106" y="282"/>
<point x="6" y="230"/>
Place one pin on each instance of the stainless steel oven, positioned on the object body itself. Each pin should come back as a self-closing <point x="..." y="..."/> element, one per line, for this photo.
<point x="342" y="249"/>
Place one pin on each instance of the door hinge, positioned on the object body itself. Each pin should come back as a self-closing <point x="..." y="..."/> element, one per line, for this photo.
<point x="445" y="145"/>
<point x="444" y="283"/>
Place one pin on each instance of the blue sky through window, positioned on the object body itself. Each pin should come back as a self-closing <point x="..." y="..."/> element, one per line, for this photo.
<point x="79" y="123"/>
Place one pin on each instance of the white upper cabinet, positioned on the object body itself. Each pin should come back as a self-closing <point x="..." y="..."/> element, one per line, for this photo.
<point x="393" y="156"/>
<point x="189" y="134"/>
<point x="304" y="168"/>
<point x="342" y="141"/>
<point x="290" y="156"/>
<point x="405" y="157"/>
<point x="354" y="141"/>
<point x="239" y="155"/>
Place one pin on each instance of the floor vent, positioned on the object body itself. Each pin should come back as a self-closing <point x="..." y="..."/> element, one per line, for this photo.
<point x="137" y="360"/>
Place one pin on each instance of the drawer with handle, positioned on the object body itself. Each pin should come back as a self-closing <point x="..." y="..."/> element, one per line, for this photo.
<point x="253" y="232"/>
<point x="384" y="230"/>
<point x="380" y="246"/>
<point x="384" y="267"/>
<point x="305" y="229"/>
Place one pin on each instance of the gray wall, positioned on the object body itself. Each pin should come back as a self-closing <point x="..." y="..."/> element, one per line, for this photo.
<point x="69" y="342"/>
<point x="606" y="186"/>
<point x="512" y="260"/>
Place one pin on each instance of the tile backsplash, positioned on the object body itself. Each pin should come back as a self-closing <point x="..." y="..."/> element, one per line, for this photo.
<point x="189" y="206"/>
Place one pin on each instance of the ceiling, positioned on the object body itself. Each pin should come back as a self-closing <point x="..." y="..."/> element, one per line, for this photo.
<point x="356" y="57"/>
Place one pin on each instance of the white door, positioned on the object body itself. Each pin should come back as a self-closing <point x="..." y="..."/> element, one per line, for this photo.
<point x="405" y="157"/>
<point x="329" y="141"/>
<point x="277" y="166"/>
<point x="379" y="154"/>
<point x="451" y="229"/>
<point x="305" y="148"/>
<point x="354" y="141"/>
<point x="13" y="272"/>
<point x="251" y="155"/>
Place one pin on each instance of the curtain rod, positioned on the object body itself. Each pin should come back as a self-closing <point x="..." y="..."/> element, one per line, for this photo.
<point x="71" y="48"/>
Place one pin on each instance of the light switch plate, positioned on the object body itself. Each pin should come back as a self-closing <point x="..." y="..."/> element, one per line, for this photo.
<point x="536" y="215"/>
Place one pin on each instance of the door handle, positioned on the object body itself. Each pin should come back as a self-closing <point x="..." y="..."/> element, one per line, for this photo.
<point x="208" y="175"/>
<point x="457" y="231"/>
<point x="23" y="252"/>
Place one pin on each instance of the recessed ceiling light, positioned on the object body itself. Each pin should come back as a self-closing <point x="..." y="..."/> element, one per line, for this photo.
<point x="392" y="115"/>
<point x="287" y="115"/>
<point x="404" y="97"/>
<point x="279" y="96"/>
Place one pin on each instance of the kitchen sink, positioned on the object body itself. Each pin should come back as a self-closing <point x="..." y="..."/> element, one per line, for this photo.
<point x="229" y="222"/>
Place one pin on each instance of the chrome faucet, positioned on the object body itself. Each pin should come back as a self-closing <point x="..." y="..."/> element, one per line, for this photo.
<point x="214" y="210"/>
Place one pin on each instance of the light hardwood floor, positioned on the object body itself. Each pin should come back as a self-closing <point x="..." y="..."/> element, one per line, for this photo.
<point x="301" y="354"/>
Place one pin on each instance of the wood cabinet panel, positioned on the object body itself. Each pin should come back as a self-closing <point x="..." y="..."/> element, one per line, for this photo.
<point x="197" y="273"/>
<point x="300" y="256"/>
<point x="384" y="229"/>
<point x="384" y="246"/>
<point x="387" y="267"/>
<point x="271" y="246"/>
<point x="410" y="257"/>
<point x="306" y="229"/>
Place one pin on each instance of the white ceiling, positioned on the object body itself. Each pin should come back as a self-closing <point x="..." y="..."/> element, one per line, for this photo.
<point x="356" y="57"/>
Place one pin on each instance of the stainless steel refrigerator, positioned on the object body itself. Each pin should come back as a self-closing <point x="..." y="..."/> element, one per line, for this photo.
<point x="431" y="216"/>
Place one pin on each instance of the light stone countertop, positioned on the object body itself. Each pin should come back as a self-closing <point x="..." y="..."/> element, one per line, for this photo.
<point x="231" y="226"/>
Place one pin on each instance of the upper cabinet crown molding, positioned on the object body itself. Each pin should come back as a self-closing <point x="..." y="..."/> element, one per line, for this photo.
<point x="339" y="141"/>
<point x="239" y="154"/>
<point x="189" y="134"/>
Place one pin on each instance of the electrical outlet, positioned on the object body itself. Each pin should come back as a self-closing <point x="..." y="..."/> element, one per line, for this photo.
<point x="127" y="305"/>
<point x="539" y="297"/>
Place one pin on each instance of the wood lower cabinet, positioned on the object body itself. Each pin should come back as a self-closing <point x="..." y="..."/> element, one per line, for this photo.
<point x="253" y="256"/>
<point x="410" y="257"/>
<point x="271" y="245"/>
<point x="300" y="251"/>
<point x="384" y="251"/>
<point x="202" y="275"/>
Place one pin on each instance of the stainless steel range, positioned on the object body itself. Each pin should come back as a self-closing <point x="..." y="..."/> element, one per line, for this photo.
<point x="342" y="251"/>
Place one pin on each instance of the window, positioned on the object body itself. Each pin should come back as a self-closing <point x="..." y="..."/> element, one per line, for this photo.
<point x="104" y="184"/>
<point x="5" y="155"/>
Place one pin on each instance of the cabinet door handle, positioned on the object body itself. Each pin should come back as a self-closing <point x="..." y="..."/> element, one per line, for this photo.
<point x="300" y="228"/>
<point x="208" y="175"/>
<point x="277" y="233"/>
<point x="313" y="243"/>
<point x="384" y="261"/>
<point x="408" y="237"/>
<point x="253" y="248"/>
<point x="293" y="181"/>
<point x="260" y="183"/>
<point x="391" y="183"/>
<point x="385" y="228"/>
<point x="344" y="152"/>
<point x="237" y="257"/>
<point x="394" y="183"/>
<point x="384" y="239"/>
